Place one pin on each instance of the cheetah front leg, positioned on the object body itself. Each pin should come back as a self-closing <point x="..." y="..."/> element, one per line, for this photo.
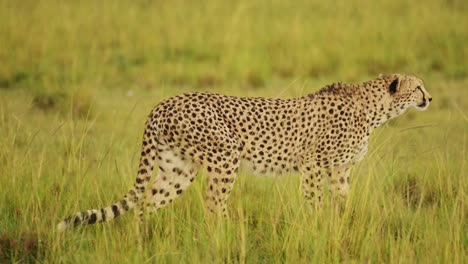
<point x="339" y="181"/>
<point x="312" y="183"/>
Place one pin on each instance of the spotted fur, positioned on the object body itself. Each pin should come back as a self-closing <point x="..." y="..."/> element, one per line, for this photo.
<point x="320" y="135"/>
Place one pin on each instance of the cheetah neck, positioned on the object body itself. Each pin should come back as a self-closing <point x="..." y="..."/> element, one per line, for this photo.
<point x="375" y="101"/>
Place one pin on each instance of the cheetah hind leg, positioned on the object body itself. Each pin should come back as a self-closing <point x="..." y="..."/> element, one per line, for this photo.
<point x="174" y="177"/>
<point x="220" y="182"/>
<point x="219" y="186"/>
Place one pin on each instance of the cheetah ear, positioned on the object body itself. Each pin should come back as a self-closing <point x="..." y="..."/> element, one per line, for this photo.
<point x="380" y="76"/>
<point x="393" y="88"/>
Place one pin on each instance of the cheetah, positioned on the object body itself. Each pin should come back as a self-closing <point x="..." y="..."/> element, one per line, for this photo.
<point x="320" y="135"/>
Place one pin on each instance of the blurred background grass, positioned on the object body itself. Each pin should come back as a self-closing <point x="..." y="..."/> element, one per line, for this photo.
<point x="121" y="44"/>
<point x="77" y="79"/>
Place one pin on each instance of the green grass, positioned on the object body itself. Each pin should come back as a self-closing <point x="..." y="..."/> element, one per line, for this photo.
<point x="77" y="81"/>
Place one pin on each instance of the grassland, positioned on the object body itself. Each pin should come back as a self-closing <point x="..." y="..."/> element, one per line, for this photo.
<point x="78" y="79"/>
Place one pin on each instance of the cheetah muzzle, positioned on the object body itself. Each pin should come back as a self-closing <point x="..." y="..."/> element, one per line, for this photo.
<point x="321" y="136"/>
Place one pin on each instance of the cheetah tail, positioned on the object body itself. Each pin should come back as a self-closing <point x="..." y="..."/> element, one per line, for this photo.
<point x="129" y="201"/>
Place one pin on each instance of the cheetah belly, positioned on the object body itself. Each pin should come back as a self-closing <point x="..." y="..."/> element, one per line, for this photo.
<point x="268" y="162"/>
<point x="264" y="168"/>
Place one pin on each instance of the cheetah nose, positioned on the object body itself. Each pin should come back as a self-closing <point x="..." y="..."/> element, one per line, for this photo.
<point x="430" y="99"/>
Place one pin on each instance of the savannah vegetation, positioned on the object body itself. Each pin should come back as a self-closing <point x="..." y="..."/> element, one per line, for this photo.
<point x="78" y="78"/>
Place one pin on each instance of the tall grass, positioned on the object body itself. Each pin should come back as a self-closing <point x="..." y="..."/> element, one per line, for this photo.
<point x="78" y="79"/>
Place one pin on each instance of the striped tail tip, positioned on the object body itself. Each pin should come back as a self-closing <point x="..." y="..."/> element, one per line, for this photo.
<point x="61" y="226"/>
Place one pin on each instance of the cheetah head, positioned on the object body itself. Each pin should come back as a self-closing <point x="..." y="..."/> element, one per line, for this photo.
<point x="406" y="91"/>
